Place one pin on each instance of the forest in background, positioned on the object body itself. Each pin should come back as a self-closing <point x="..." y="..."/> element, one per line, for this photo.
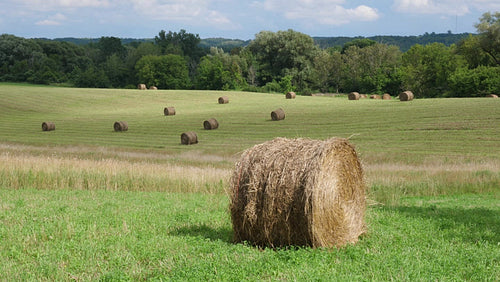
<point x="431" y="65"/>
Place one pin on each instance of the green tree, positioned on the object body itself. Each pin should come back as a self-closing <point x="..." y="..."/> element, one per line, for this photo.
<point x="165" y="72"/>
<point x="489" y="35"/>
<point x="180" y="43"/>
<point x="358" y="42"/>
<point x="477" y="82"/>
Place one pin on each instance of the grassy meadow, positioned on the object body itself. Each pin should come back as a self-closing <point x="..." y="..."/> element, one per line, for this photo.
<point x="86" y="203"/>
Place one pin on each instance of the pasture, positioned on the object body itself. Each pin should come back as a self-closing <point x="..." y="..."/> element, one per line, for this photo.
<point x="83" y="202"/>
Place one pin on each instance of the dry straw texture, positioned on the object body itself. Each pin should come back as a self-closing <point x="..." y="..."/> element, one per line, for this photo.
<point x="153" y="88"/>
<point x="211" y="124"/>
<point x="375" y="96"/>
<point x="141" y="86"/>
<point x="291" y="95"/>
<point x="188" y="138"/>
<point x="363" y="96"/>
<point x="298" y="192"/>
<point x="169" y="111"/>
<point x="223" y="100"/>
<point x="353" y="96"/>
<point x="406" y="96"/>
<point x="386" y="96"/>
<point x="278" y="114"/>
<point x="48" y="126"/>
<point x="120" y="126"/>
<point x="492" y="96"/>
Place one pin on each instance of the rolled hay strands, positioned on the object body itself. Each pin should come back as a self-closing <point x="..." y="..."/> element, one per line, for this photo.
<point x="169" y="111"/>
<point x="386" y="96"/>
<point x="210" y="124"/>
<point x="290" y="95"/>
<point x="223" y="100"/>
<point x="153" y="88"/>
<point x="354" y="96"/>
<point x="406" y="96"/>
<point x="278" y="114"/>
<point x="374" y="96"/>
<point x="120" y="126"/>
<point x="188" y="138"/>
<point x="141" y="86"/>
<point x="298" y="192"/>
<point x="48" y="126"/>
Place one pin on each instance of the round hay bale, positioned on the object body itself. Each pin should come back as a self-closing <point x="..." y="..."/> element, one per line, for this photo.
<point x="386" y="96"/>
<point x="48" y="126"/>
<point x="169" y="111"/>
<point x="120" y="126"/>
<point x="492" y="96"/>
<point x="278" y="114"/>
<point x="211" y="124"/>
<point x="299" y="192"/>
<point x="291" y="95"/>
<point x="353" y="96"/>
<point x="223" y="100"/>
<point x="406" y="96"/>
<point x="188" y="138"/>
<point x="141" y="86"/>
<point x="153" y="88"/>
<point x="375" y="96"/>
<point x="363" y="96"/>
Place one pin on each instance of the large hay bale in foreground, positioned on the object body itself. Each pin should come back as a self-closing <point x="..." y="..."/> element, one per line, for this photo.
<point x="386" y="96"/>
<point x="188" y="138"/>
<point x="278" y="114"/>
<point x="141" y="86"/>
<point x="406" y="96"/>
<point x="290" y="95"/>
<point x="169" y="111"/>
<point x="298" y="192"/>
<point x="120" y="126"/>
<point x="48" y="126"/>
<point x="353" y="96"/>
<point x="210" y="124"/>
<point x="223" y="100"/>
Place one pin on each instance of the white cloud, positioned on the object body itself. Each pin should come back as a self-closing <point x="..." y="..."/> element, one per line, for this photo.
<point x="54" y="4"/>
<point x="53" y="20"/>
<point x="320" y="11"/>
<point x="446" y="7"/>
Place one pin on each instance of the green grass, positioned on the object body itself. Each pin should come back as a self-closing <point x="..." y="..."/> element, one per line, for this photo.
<point x="105" y="235"/>
<point x="86" y="203"/>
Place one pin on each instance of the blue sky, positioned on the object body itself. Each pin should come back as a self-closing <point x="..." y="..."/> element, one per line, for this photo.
<point x="238" y="19"/>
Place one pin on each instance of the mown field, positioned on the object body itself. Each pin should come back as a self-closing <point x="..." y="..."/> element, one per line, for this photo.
<point x="86" y="203"/>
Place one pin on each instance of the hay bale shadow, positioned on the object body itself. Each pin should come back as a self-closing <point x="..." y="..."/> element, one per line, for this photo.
<point x="223" y="234"/>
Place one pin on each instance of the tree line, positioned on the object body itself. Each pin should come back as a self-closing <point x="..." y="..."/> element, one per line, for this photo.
<point x="272" y="62"/>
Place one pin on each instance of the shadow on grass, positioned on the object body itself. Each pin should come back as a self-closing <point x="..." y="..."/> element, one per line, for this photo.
<point x="472" y="225"/>
<point x="210" y="233"/>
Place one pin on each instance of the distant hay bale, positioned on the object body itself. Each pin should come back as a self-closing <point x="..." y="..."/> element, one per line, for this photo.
<point x="298" y="192"/>
<point x="120" y="126"/>
<point x="278" y="114"/>
<point x="223" y="100"/>
<point x="48" y="126"/>
<point x="375" y="96"/>
<point x="153" y="88"/>
<point x="386" y="96"/>
<point x="291" y="95"/>
<point x="492" y="96"/>
<point x="353" y="96"/>
<point x="169" y="111"/>
<point x="211" y="124"/>
<point x="141" y="86"/>
<point x="363" y="96"/>
<point x="188" y="138"/>
<point x="406" y="96"/>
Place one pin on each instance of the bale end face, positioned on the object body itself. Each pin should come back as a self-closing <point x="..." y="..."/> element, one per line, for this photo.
<point x="298" y="192"/>
<point x="353" y="96"/>
<point x="120" y="126"/>
<point x="48" y="126"/>
<point x="223" y="100"/>
<point x="278" y="114"/>
<point x="291" y="95"/>
<point x="189" y="138"/>
<point x="406" y="96"/>
<point x="169" y="111"/>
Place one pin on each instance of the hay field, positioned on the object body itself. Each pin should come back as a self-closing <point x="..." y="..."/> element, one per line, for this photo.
<point x="83" y="202"/>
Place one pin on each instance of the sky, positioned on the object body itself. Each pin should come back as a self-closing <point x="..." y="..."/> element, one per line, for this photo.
<point x="238" y="19"/>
